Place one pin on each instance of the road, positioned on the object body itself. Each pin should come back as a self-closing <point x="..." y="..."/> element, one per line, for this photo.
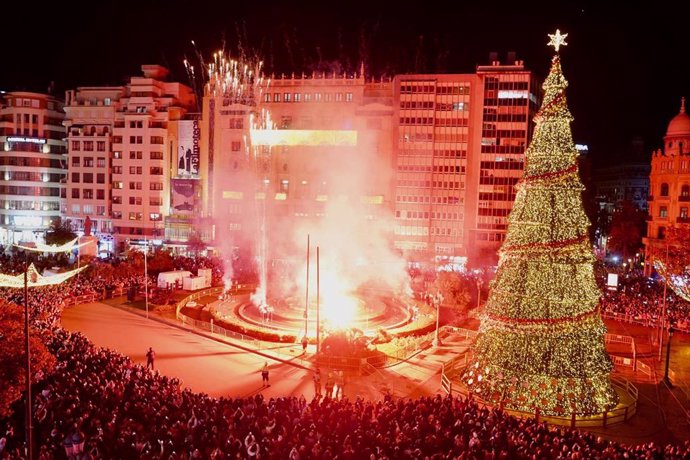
<point x="202" y="364"/>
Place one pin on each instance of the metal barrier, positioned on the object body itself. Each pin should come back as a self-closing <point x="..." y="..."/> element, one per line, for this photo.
<point x="626" y="340"/>
<point x="647" y="322"/>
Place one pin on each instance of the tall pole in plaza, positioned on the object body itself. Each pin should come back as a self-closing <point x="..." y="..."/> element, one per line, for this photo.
<point x="146" y="276"/>
<point x="318" y="304"/>
<point x="306" y="296"/>
<point x="29" y="427"/>
<point x="662" y="319"/>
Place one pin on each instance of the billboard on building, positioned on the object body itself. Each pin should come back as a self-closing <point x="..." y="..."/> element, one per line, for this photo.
<point x="184" y="196"/>
<point x="188" y="148"/>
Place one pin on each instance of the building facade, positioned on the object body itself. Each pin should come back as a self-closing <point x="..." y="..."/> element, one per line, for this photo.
<point x="460" y="142"/>
<point x="122" y="146"/>
<point x="33" y="165"/>
<point x="669" y="185"/>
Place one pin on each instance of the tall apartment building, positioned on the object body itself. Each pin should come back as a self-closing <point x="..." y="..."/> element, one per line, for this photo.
<point x="459" y="154"/>
<point x="332" y="144"/>
<point x="90" y="121"/>
<point x="669" y="186"/>
<point x="32" y="165"/>
<point x="123" y="146"/>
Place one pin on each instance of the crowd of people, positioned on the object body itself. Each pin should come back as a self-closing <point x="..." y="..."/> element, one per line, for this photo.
<point x="641" y="299"/>
<point x="98" y="404"/>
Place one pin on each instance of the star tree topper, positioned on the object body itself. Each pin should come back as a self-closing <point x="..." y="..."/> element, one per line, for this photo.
<point x="557" y="40"/>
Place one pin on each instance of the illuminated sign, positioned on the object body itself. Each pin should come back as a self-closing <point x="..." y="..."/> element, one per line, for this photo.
<point x="581" y="147"/>
<point x="30" y="140"/>
<point x="512" y="94"/>
<point x="231" y="195"/>
<point x="304" y="137"/>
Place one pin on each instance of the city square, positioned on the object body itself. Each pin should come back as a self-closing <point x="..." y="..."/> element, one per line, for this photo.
<point x="361" y="241"/>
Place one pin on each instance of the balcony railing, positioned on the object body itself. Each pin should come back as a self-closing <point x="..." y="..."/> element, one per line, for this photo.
<point x="683" y="220"/>
<point x="684" y="198"/>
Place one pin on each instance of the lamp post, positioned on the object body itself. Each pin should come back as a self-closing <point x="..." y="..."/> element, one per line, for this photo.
<point x="146" y="276"/>
<point x="27" y="349"/>
<point x="668" y="356"/>
<point x="36" y="280"/>
<point x="662" y="320"/>
<point x="479" y="291"/>
<point x="437" y="299"/>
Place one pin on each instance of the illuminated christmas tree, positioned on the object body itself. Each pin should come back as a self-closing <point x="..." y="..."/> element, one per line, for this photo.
<point x="541" y="342"/>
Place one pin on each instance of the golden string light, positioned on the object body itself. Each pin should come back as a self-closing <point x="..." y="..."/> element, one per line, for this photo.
<point x="541" y="343"/>
<point x="35" y="279"/>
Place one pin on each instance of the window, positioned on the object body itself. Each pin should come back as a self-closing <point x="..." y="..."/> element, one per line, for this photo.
<point x="100" y="194"/>
<point x="307" y="97"/>
<point x="76" y="209"/>
<point x="135" y="185"/>
<point x="156" y="155"/>
<point x="155" y="201"/>
<point x="156" y="171"/>
<point x="156" y="186"/>
<point x="267" y="97"/>
<point x="136" y="155"/>
<point x="88" y="146"/>
<point x="117" y="169"/>
<point x="135" y="200"/>
<point x="100" y="178"/>
<point x="117" y="155"/>
<point x="75" y="178"/>
<point x="136" y="216"/>
<point x="236" y="146"/>
<point x="298" y="97"/>
<point x="76" y="161"/>
<point x="107" y="101"/>
<point x="328" y="97"/>
<point x="75" y="193"/>
<point x="117" y="214"/>
<point x="88" y="194"/>
<point x="664" y="189"/>
<point x="100" y="210"/>
<point x="88" y="178"/>
<point x="338" y="97"/>
<point x="236" y="123"/>
<point x="88" y="162"/>
<point x="117" y="185"/>
<point x="76" y="146"/>
<point x="317" y="97"/>
<point x="156" y="140"/>
<point x="155" y="216"/>
<point x="683" y="213"/>
<point x="685" y="190"/>
<point x="100" y="146"/>
<point x="100" y="162"/>
<point x="117" y="199"/>
<point x="661" y="233"/>
<point x="88" y="209"/>
<point x="276" y="97"/>
<point x="287" y="97"/>
<point x="348" y="97"/>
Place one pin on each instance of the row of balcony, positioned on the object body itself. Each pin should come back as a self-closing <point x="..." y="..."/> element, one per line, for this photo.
<point x="681" y="198"/>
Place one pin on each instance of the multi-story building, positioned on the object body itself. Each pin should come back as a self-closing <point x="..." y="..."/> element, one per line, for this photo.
<point x="32" y="165"/>
<point x="90" y="121"/>
<point x="624" y="181"/>
<point x="331" y="146"/>
<point x="669" y="186"/>
<point x="459" y="153"/>
<point x="123" y="150"/>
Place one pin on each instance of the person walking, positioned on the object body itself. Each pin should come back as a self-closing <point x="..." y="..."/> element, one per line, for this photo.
<point x="150" y="356"/>
<point x="264" y="374"/>
<point x="317" y="382"/>
<point x="305" y="342"/>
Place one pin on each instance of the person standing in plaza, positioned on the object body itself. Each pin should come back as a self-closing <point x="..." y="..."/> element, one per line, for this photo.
<point x="150" y="356"/>
<point x="329" y="385"/>
<point x="317" y="382"/>
<point x="264" y="374"/>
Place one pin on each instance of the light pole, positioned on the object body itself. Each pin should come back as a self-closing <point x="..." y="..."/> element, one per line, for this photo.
<point x="437" y="298"/>
<point x="662" y="320"/>
<point x="479" y="291"/>
<point x="146" y="276"/>
<point x="668" y="356"/>
<point x="27" y="349"/>
<point x="23" y="280"/>
<point x="306" y="295"/>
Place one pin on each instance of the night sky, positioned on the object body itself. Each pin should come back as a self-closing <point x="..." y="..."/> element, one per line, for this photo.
<point x="628" y="66"/>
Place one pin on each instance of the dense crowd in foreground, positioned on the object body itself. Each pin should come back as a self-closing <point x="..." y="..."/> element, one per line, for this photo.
<point x="104" y="406"/>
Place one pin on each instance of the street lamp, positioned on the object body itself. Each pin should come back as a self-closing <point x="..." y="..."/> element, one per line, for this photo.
<point x="479" y="291"/>
<point x="437" y="299"/>
<point x="668" y="356"/>
<point x="31" y="278"/>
